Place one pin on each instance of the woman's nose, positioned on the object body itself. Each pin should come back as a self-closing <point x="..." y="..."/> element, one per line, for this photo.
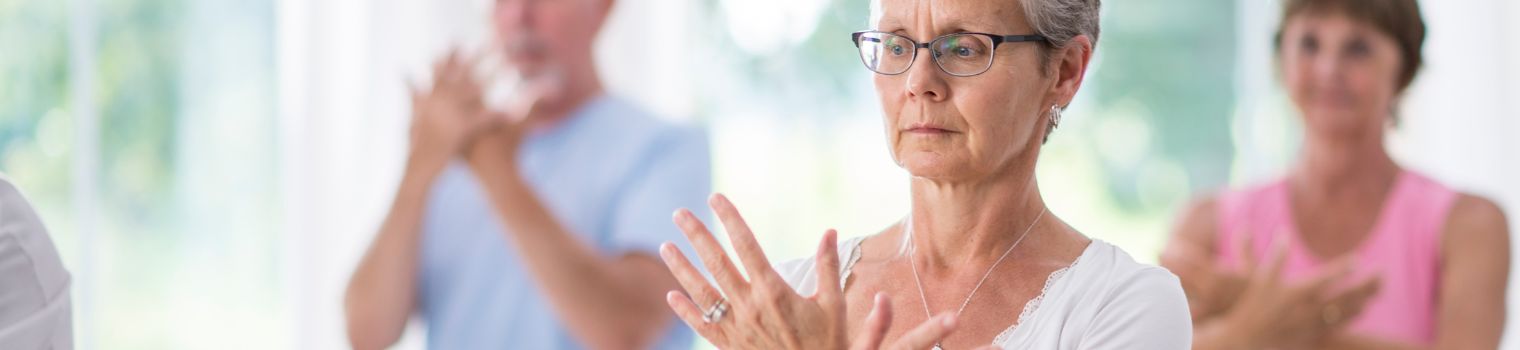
<point x="926" y="80"/>
<point x="1328" y="70"/>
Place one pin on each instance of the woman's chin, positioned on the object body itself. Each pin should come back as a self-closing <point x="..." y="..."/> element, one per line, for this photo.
<point x="1342" y="123"/>
<point x="932" y="166"/>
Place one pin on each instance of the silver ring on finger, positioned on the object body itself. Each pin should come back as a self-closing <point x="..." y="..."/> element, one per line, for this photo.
<point x="715" y="313"/>
<point x="1331" y="314"/>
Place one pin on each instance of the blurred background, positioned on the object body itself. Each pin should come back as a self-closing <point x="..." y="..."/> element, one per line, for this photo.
<point x="213" y="169"/>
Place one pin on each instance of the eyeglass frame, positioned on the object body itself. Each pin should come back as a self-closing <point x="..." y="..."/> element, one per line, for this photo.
<point x="992" y="53"/>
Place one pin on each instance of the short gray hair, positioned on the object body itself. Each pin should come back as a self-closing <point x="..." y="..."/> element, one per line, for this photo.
<point x="1057" y="20"/>
<point x="1062" y="20"/>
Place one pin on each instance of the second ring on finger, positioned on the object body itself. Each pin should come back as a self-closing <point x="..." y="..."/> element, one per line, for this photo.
<point x="715" y="312"/>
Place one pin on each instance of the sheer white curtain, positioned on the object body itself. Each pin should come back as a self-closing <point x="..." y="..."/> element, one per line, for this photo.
<point x="1458" y="120"/>
<point x="343" y="109"/>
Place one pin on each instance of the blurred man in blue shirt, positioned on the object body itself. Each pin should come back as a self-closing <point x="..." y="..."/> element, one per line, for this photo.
<point x="535" y="227"/>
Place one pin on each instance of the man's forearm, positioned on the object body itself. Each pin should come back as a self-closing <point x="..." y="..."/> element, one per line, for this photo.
<point x="382" y="292"/>
<point x="607" y="302"/>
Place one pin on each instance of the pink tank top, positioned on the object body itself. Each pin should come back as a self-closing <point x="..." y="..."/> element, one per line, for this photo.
<point x="1403" y="249"/>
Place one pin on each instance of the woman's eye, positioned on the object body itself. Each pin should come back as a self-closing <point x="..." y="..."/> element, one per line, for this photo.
<point x="897" y="50"/>
<point x="1309" y="44"/>
<point x="964" y="51"/>
<point x="1358" y="48"/>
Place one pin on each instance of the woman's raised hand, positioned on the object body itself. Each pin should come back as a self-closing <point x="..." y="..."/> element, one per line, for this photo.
<point x="763" y="312"/>
<point x="1272" y="312"/>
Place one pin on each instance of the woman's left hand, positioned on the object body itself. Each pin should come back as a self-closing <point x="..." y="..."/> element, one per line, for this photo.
<point x="763" y="312"/>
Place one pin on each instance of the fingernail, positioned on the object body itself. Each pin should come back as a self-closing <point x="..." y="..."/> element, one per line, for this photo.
<point x="948" y="322"/>
<point x="667" y="250"/>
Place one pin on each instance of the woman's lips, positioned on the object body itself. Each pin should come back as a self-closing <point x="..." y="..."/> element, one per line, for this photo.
<point x="927" y="129"/>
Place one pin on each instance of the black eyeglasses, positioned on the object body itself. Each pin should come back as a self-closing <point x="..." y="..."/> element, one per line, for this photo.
<point x="959" y="54"/>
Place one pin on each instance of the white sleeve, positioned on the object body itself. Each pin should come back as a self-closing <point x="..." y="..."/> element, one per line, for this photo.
<point x="35" y="311"/>
<point x="1146" y="311"/>
<point x="801" y="274"/>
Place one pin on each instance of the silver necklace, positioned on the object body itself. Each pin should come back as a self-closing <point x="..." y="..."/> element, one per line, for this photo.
<point x="923" y="297"/>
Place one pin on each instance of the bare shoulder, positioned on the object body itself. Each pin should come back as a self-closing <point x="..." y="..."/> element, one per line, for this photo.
<point x="881" y="246"/>
<point x="1198" y="223"/>
<point x="1475" y="222"/>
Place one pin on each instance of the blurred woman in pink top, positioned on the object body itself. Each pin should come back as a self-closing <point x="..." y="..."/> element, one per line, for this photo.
<point x="1349" y="250"/>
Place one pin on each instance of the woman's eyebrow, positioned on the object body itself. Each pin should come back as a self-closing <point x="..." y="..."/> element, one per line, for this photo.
<point x="888" y="24"/>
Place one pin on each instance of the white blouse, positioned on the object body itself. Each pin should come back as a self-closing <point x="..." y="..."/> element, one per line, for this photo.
<point x="34" y="287"/>
<point x="1103" y="300"/>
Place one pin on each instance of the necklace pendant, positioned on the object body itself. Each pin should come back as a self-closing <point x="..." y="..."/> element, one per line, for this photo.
<point x="936" y="347"/>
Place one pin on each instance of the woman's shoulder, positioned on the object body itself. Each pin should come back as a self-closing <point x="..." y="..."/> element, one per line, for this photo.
<point x="1200" y="220"/>
<point x="1118" y="302"/>
<point x="1475" y="223"/>
<point x="1120" y="273"/>
<point x="1465" y="220"/>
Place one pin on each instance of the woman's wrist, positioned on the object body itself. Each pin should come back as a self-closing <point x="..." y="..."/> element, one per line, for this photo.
<point x="1221" y="332"/>
<point x="1235" y="332"/>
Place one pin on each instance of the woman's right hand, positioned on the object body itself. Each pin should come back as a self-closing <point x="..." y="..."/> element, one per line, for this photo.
<point x="1271" y="312"/>
<point x="763" y="312"/>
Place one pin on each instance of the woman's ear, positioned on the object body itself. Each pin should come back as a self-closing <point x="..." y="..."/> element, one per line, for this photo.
<point x="1071" y="61"/>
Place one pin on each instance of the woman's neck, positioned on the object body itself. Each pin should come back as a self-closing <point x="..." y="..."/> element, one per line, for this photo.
<point x="1344" y="167"/>
<point x="953" y="224"/>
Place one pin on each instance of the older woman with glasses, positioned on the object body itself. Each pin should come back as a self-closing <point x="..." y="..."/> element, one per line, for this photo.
<point x="979" y="260"/>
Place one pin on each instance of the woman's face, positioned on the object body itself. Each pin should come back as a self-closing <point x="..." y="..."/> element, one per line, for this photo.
<point x="1341" y="73"/>
<point x="946" y="127"/>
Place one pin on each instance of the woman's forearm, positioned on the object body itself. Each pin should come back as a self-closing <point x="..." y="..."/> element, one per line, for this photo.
<point x="1216" y="334"/>
<point x="1354" y="342"/>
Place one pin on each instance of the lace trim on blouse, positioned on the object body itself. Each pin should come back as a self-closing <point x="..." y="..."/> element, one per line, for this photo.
<point x="1003" y="337"/>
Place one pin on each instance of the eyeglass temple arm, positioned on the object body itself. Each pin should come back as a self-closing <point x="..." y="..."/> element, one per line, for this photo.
<point x="1018" y="38"/>
<point x="857" y="38"/>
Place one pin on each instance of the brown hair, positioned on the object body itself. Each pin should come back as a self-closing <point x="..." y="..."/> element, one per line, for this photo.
<point x="1399" y="19"/>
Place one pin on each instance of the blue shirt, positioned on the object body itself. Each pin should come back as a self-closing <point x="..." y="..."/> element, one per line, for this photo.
<point x="610" y="172"/>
